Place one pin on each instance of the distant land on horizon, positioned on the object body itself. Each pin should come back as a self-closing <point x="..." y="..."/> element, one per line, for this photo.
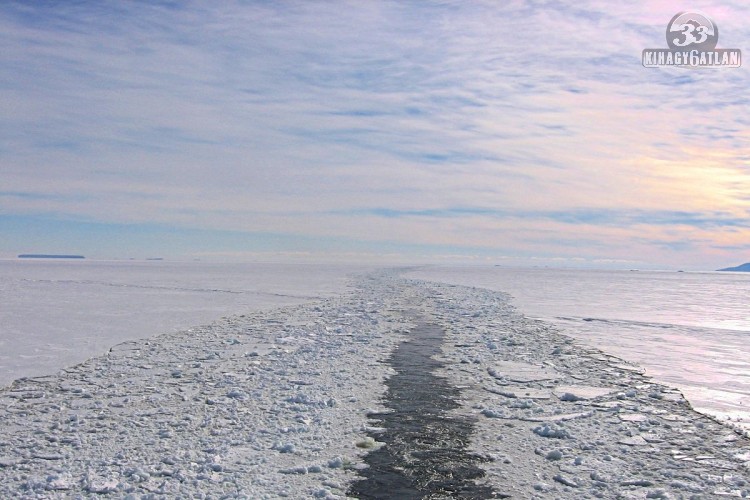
<point x="49" y="256"/>
<point x="743" y="268"/>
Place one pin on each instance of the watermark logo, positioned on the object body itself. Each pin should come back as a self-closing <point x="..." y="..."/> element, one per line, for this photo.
<point x="692" y="38"/>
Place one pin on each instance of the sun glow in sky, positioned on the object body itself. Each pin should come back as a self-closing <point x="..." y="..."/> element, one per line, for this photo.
<point x="523" y="132"/>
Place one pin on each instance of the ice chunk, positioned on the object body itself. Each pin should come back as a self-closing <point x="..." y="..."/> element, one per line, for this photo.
<point x="368" y="442"/>
<point x="284" y="448"/>
<point x="580" y="392"/>
<point x="521" y="372"/>
<point x="564" y="480"/>
<point x="633" y="441"/>
<point x="552" y="431"/>
<point x="492" y="413"/>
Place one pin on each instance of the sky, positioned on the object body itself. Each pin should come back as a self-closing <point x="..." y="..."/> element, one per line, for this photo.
<point x="510" y="133"/>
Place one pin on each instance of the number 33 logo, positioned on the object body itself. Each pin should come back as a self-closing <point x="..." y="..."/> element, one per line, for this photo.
<point x="691" y="34"/>
<point x="692" y="30"/>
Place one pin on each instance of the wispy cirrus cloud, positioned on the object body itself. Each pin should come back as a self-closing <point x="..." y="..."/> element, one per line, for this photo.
<point x="499" y="129"/>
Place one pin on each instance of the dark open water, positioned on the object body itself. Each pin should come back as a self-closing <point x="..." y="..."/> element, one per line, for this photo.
<point x="424" y="455"/>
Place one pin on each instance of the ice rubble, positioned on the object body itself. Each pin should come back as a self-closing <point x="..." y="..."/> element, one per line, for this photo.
<point x="274" y="404"/>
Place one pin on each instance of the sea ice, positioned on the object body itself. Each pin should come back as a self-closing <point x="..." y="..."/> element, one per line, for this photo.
<point x="291" y="421"/>
<point x="552" y="431"/>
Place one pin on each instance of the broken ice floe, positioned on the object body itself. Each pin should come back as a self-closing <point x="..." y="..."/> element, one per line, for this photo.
<point x="552" y="431"/>
<point x="580" y="392"/>
<point x="521" y="372"/>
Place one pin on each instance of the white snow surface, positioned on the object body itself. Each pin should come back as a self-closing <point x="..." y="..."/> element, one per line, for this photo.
<point x="274" y="404"/>
<point x="56" y="313"/>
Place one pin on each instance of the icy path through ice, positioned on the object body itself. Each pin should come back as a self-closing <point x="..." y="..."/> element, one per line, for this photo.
<point x="274" y="404"/>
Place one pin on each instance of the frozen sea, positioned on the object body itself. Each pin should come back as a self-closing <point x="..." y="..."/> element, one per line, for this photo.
<point x="689" y="330"/>
<point x="57" y="313"/>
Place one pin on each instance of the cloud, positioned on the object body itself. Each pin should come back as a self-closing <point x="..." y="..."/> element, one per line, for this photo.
<point x="372" y="124"/>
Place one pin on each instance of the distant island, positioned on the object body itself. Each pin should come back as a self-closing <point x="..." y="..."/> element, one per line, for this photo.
<point x="48" y="256"/>
<point x="744" y="268"/>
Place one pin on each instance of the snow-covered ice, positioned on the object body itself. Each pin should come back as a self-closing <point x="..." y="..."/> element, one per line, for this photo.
<point x="688" y="330"/>
<point x="58" y="313"/>
<point x="274" y="403"/>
